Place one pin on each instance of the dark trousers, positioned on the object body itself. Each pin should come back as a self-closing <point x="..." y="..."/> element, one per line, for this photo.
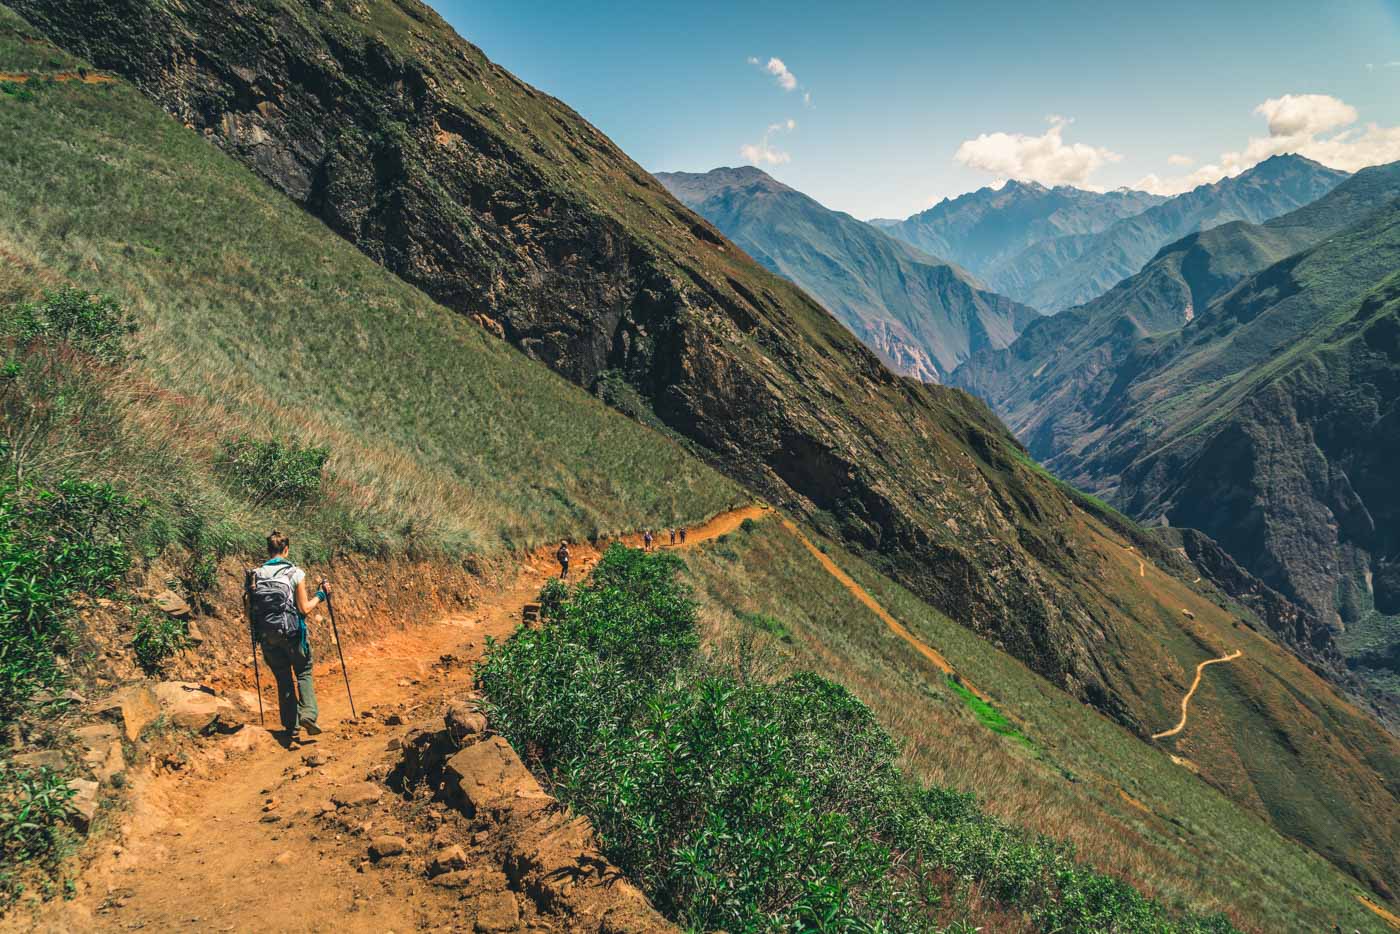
<point x="291" y="666"/>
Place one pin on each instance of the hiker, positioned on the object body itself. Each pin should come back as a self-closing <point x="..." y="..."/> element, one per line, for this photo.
<point x="682" y="535"/>
<point x="646" y="540"/>
<point x="673" y="538"/>
<point x="277" y="608"/>
<point x="563" y="555"/>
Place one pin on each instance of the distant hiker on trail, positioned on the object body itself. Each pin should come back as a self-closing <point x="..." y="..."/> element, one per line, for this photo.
<point x="563" y="555"/>
<point x="673" y="538"/>
<point x="646" y="540"/>
<point x="682" y="535"/>
<point x="277" y="608"/>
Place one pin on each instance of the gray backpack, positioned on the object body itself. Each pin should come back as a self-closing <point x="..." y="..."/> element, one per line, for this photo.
<point x="272" y="601"/>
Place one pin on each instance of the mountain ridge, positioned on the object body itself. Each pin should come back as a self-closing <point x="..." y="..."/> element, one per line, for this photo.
<point x="921" y="314"/>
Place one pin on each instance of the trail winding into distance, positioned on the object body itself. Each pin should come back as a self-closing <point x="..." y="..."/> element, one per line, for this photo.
<point x="1185" y="701"/>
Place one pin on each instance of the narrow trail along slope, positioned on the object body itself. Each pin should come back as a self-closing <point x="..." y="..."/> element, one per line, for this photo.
<point x="861" y="594"/>
<point x="1186" y="701"/>
<point x="244" y="835"/>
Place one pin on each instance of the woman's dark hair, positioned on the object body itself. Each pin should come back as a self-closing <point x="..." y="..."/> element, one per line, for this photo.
<point x="277" y="543"/>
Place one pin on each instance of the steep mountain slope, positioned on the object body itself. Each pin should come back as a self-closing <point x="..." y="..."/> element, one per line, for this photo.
<point x="1051" y="385"/>
<point x="921" y="315"/>
<point x="1045" y="383"/>
<point x="1270" y="424"/>
<point x="986" y="229"/>
<point x="1053" y="276"/>
<point x="505" y="205"/>
<point x="510" y="208"/>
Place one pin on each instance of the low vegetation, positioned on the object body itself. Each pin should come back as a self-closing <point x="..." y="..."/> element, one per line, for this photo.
<point x="33" y="836"/>
<point x="1126" y="808"/>
<point x="743" y="805"/>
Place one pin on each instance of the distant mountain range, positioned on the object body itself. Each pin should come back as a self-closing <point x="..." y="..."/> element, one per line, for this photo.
<point x="1053" y="248"/>
<point x="1242" y="387"/>
<point x="986" y="230"/>
<point x="921" y="314"/>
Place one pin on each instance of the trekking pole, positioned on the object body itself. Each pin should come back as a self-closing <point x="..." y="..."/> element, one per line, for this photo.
<point x="253" y="637"/>
<point x="330" y="608"/>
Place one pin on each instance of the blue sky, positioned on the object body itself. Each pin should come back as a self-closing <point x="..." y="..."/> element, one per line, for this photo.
<point x="1091" y="93"/>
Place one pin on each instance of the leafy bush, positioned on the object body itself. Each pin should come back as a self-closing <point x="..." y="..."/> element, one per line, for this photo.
<point x="33" y="835"/>
<point x="156" y="639"/>
<point x="273" y="472"/>
<point x="94" y="325"/>
<point x="747" y="806"/>
<point x="748" y="525"/>
<point x="54" y="544"/>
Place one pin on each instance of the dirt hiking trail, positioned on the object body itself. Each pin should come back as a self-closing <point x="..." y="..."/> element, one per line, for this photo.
<point x="1186" y="701"/>
<point x="243" y="835"/>
<point x="861" y="594"/>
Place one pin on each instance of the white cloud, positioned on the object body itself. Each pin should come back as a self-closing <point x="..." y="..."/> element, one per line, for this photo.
<point x="782" y="75"/>
<point x="1297" y="114"/>
<point x="786" y="79"/>
<point x="1047" y="158"/>
<point x="763" y="152"/>
<point x="1317" y="126"/>
<point x="1178" y="159"/>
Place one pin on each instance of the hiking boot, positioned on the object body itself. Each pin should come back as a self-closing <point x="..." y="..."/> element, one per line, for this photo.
<point x="311" y="727"/>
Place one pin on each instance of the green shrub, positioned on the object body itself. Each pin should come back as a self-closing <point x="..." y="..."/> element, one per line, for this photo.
<point x="156" y="639"/>
<point x="271" y="471"/>
<point x="745" y="806"/>
<point x="33" y="835"/>
<point x="748" y="525"/>
<point x="94" y="325"/>
<point x="54" y="544"/>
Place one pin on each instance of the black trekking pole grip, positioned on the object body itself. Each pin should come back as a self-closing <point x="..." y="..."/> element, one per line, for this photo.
<point x="330" y="608"/>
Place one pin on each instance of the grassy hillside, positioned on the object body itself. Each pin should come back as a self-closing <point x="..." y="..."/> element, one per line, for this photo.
<point x="1043" y="762"/>
<point x="253" y="321"/>
<point x="921" y="314"/>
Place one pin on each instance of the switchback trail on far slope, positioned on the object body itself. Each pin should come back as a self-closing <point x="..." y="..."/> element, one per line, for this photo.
<point x="1185" y="701"/>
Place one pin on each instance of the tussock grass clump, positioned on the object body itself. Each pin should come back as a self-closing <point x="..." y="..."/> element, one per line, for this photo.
<point x="744" y="805"/>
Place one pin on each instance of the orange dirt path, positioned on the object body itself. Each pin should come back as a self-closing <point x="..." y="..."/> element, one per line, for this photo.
<point x="1389" y="917"/>
<point x="861" y="594"/>
<point x="1185" y="701"/>
<point x="194" y="850"/>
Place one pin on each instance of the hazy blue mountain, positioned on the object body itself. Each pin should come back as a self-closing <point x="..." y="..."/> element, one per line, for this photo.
<point x="1067" y="271"/>
<point x="985" y="229"/>
<point x="1246" y="382"/>
<point x="922" y="315"/>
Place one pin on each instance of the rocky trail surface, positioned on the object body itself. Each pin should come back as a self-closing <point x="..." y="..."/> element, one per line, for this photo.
<point x="246" y="835"/>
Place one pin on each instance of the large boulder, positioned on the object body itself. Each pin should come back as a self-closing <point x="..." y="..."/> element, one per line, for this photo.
<point x="195" y="707"/>
<point x="490" y="776"/>
<point x="133" y="706"/>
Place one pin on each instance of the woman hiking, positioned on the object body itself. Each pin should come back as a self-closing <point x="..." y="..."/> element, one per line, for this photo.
<point x="278" y="605"/>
